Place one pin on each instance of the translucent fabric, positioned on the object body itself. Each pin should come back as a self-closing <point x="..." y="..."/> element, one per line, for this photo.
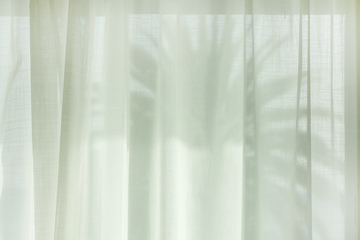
<point x="179" y="119"/>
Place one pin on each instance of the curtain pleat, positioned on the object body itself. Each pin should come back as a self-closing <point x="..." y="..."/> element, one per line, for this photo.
<point x="47" y="77"/>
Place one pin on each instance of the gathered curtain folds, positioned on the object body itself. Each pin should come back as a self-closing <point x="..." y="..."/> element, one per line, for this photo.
<point x="179" y="119"/>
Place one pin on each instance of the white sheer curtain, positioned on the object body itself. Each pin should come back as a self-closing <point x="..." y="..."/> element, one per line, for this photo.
<point x="178" y="119"/>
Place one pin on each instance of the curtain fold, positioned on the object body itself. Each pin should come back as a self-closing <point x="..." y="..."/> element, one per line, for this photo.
<point x="169" y="119"/>
<point x="47" y="48"/>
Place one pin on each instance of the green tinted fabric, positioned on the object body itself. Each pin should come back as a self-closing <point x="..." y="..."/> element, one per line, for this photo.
<point x="179" y="119"/>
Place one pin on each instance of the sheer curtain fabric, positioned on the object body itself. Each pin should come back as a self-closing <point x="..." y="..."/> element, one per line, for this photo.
<point x="178" y="119"/>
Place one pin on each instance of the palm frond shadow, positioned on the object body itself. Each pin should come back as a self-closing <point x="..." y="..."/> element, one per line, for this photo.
<point x="209" y="97"/>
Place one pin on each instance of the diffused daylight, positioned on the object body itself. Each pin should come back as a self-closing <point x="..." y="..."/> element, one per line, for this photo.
<point x="179" y="119"/>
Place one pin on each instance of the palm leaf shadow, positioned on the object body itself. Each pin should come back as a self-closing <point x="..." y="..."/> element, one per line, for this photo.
<point x="209" y="96"/>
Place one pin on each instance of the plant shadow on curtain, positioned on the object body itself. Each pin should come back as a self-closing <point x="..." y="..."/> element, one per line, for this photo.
<point x="187" y="125"/>
<point x="173" y="126"/>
